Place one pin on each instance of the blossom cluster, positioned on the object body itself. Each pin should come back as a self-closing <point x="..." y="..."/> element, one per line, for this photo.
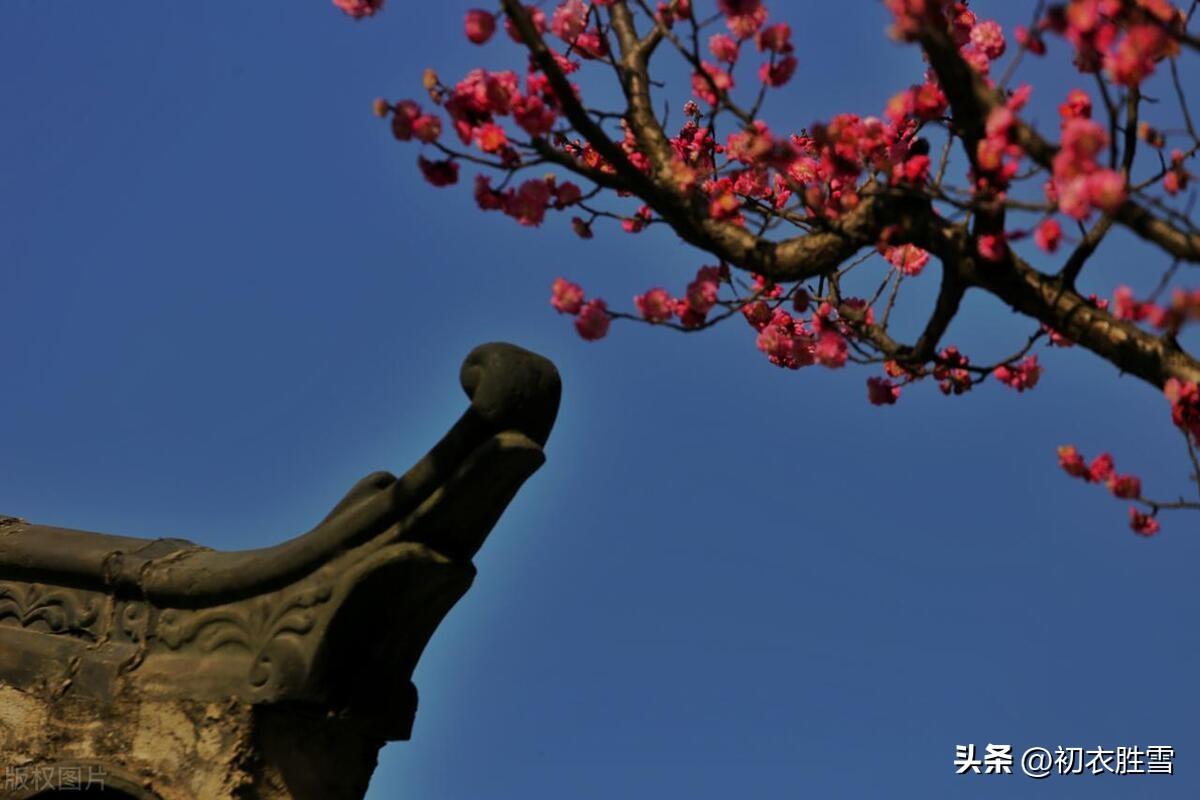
<point x="909" y="259"/>
<point x="1080" y="184"/>
<point x="1183" y="308"/>
<point x="592" y="317"/>
<point x="1184" y="397"/>
<point x="1021" y="375"/>
<point x="1124" y="38"/>
<point x="821" y="169"/>
<point x="793" y="342"/>
<point x="1102" y="470"/>
<point x="359" y="8"/>
<point x="745" y="21"/>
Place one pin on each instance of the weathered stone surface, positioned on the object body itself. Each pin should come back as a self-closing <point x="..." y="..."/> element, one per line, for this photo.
<point x="184" y="673"/>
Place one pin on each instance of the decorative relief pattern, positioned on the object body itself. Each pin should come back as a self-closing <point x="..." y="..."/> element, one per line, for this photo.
<point x="270" y="630"/>
<point x="132" y="621"/>
<point x="54" y="609"/>
<point x="270" y="633"/>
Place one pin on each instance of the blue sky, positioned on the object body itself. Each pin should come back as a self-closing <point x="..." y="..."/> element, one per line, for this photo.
<point x="228" y="295"/>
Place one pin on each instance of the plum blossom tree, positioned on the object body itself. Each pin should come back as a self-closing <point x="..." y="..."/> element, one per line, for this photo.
<point x="794" y="221"/>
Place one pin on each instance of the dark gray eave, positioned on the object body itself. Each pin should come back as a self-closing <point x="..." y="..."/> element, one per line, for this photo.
<point x="316" y="619"/>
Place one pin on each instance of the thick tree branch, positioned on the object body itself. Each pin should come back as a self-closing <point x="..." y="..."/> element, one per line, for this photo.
<point x="1181" y="245"/>
<point x="1048" y="300"/>
<point x="635" y="82"/>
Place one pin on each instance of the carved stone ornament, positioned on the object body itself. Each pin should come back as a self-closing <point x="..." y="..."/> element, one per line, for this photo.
<point x="164" y="669"/>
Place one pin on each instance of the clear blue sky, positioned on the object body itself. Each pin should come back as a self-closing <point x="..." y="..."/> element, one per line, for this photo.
<point x="228" y="294"/>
